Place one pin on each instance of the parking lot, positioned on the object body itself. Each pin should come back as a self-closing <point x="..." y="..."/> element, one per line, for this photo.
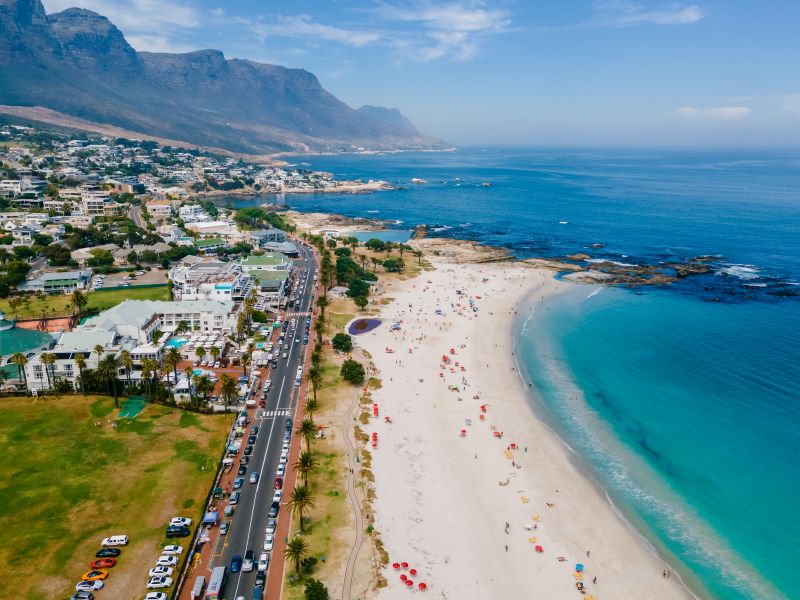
<point x="156" y="275"/>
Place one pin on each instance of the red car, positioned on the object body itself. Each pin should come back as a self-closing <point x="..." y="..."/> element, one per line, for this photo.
<point x="278" y="483"/>
<point x="103" y="563"/>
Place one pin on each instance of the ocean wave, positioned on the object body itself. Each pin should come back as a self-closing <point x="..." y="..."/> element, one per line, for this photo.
<point x="745" y="272"/>
<point x="594" y="293"/>
<point x="613" y="262"/>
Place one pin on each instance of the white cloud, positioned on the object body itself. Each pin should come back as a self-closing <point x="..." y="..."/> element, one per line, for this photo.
<point x="723" y="113"/>
<point x="623" y="13"/>
<point x="147" y="24"/>
<point x="304" y="26"/>
<point x="453" y="31"/>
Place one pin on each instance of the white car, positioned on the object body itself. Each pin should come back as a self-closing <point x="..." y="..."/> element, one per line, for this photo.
<point x="88" y="586"/>
<point x="172" y="549"/>
<point x="160" y="572"/>
<point x="276" y="497"/>
<point x="167" y="561"/>
<point x="263" y="562"/>
<point x="284" y="459"/>
<point x="155" y="596"/>
<point x="285" y="449"/>
<point x="185" y="521"/>
<point x="216" y="364"/>
<point x="157" y="583"/>
<point x="114" y="540"/>
<point x="281" y="470"/>
<point x="268" y="541"/>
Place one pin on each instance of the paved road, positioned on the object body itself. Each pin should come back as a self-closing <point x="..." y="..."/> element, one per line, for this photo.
<point x="135" y="215"/>
<point x="247" y="530"/>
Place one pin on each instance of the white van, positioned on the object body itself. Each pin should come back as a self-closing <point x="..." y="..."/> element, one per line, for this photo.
<point x="115" y="540"/>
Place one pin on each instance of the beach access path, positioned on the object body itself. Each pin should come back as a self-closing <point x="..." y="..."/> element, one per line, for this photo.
<point x="443" y="497"/>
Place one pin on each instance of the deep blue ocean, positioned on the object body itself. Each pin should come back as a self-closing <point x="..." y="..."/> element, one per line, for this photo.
<point x="682" y="402"/>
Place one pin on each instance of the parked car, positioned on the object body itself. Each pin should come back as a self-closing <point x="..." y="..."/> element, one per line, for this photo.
<point x="254" y="477"/>
<point x="238" y="482"/>
<point x="223" y="527"/>
<point x="234" y="498"/>
<point x="157" y="583"/>
<point x="245" y="460"/>
<point x="261" y="579"/>
<point x="184" y="521"/>
<point x="278" y="483"/>
<point x="248" y="450"/>
<point x="276" y="497"/>
<point x="274" y="508"/>
<point x="236" y="564"/>
<point x="284" y="458"/>
<point x="249" y="561"/>
<point x="281" y="470"/>
<point x="115" y="540"/>
<point x="103" y="563"/>
<point x="271" y="525"/>
<point x="94" y="575"/>
<point x="172" y="550"/>
<point x="178" y="531"/>
<point x="268" y="542"/>
<point x="82" y="595"/>
<point x="242" y="470"/>
<point x="166" y="560"/>
<point x="89" y="586"/>
<point x="263" y="562"/>
<point x="254" y="429"/>
<point x="155" y="596"/>
<point x="160" y="572"/>
<point x="251" y="440"/>
<point x="216" y="364"/>
<point x="108" y="552"/>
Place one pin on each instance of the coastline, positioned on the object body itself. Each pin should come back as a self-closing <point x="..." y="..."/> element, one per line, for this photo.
<point x="422" y="510"/>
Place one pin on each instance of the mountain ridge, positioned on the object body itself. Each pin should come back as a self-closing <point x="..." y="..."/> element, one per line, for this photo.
<point x="78" y="63"/>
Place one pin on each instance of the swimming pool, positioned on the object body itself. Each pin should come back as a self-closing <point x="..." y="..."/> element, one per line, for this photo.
<point x="176" y="342"/>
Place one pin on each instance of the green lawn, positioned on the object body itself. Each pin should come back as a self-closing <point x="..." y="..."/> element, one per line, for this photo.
<point x="67" y="479"/>
<point x="99" y="300"/>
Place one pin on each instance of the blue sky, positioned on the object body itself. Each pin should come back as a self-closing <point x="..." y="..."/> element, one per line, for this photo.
<point x="565" y="72"/>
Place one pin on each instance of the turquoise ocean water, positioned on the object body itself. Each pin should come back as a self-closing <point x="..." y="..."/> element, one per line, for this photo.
<point x="682" y="402"/>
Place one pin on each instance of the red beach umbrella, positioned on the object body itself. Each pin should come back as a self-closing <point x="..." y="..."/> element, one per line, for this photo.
<point x="395" y="565"/>
<point x="539" y="549"/>
<point x="403" y="577"/>
<point x="404" y="565"/>
<point x="423" y="586"/>
<point x="412" y="572"/>
<point x="409" y="583"/>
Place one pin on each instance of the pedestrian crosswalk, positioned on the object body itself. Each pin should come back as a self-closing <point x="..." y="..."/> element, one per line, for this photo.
<point x="290" y="315"/>
<point x="281" y="412"/>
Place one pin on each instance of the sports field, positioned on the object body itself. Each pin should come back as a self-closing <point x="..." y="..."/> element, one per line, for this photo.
<point x="58" y="305"/>
<point x="68" y="479"/>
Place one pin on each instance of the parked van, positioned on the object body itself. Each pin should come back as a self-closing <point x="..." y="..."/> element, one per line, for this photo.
<point x="115" y="540"/>
<point x="199" y="586"/>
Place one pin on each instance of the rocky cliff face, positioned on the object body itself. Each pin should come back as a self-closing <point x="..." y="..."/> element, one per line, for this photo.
<point x="78" y="63"/>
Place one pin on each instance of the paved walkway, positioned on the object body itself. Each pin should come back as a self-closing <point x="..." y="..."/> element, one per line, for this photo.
<point x="352" y="495"/>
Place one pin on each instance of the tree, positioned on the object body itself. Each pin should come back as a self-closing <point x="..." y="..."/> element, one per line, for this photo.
<point x="200" y="352"/>
<point x="300" y="502"/>
<point x="306" y="464"/>
<point x="182" y="327"/>
<point x="229" y="390"/>
<point x="296" y="551"/>
<point x="375" y="245"/>
<point x="20" y="360"/>
<point x="203" y="386"/>
<point x="127" y="362"/>
<point x="49" y="360"/>
<point x="322" y="304"/>
<point x="319" y="328"/>
<point x="361" y="302"/>
<point x="315" y="378"/>
<point x="375" y="263"/>
<point x="393" y="265"/>
<point x="245" y="360"/>
<point x="214" y="353"/>
<point x="80" y="361"/>
<point x="311" y="406"/>
<point x="342" y="342"/>
<point x="418" y="254"/>
<point x="149" y="368"/>
<point x="315" y="590"/>
<point x="331" y="243"/>
<point x="307" y="431"/>
<point x="107" y="368"/>
<point x="172" y="359"/>
<point x="78" y="300"/>
<point x="353" y="371"/>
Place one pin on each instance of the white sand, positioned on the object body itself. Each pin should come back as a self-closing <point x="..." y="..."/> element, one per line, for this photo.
<point x="438" y="506"/>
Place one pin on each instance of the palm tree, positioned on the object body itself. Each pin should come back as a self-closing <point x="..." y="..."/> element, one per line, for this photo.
<point x="315" y="377"/>
<point x="203" y="386"/>
<point x="311" y="407"/>
<point x="245" y="360"/>
<point x="322" y="304"/>
<point x="306" y="464"/>
<point x="78" y="300"/>
<point x="108" y="368"/>
<point x="182" y="327"/>
<point x="189" y="372"/>
<point x="300" y="502"/>
<point x="214" y="353"/>
<point x="418" y="254"/>
<point x="375" y="263"/>
<point x="149" y="369"/>
<point x="126" y="361"/>
<point x="319" y="328"/>
<point x="80" y="361"/>
<point x="317" y="357"/>
<point x="228" y="390"/>
<point x="98" y="349"/>
<point x="48" y="359"/>
<point x="20" y="360"/>
<point x="296" y="551"/>
<point x="172" y="359"/>
<point x="363" y="258"/>
<point x="200" y="353"/>
<point x="307" y="431"/>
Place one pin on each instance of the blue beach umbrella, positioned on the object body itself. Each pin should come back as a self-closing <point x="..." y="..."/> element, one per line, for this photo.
<point x="579" y="567"/>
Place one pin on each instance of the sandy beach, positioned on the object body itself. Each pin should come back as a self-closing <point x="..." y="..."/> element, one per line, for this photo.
<point x="467" y="511"/>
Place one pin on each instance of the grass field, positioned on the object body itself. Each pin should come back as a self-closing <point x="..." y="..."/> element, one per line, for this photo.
<point x="69" y="479"/>
<point x="99" y="300"/>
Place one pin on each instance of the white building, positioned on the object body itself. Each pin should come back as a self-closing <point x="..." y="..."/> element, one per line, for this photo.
<point x="209" y="279"/>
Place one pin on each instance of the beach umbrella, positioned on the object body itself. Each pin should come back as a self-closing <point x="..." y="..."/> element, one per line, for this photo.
<point x="404" y="565"/>
<point x="395" y="565"/>
<point x="579" y="567"/>
<point x="412" y="571"/>
<point x="409" y="583"/>
<point x="539" y="549"/>
<point x="423" y="586"/>
<point x="403" y="577"/>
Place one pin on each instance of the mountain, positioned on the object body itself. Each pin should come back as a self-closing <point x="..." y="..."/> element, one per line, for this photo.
<point x="392" y="116"/>
<point x="78" y="63"/>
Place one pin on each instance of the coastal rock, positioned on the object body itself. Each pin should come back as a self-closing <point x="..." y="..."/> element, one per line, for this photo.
<point x="460" y="251"/>
<point x="552" y="264"/>
<point x="581" y="257"/>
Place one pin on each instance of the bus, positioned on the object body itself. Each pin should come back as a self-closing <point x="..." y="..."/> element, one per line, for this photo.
<point x="216" y="585"/>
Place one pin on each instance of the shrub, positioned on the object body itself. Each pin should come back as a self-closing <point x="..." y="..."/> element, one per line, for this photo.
<point x="353" y="371"/>
<point x="342" y="342"/>
<point x="315" y="590"/>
